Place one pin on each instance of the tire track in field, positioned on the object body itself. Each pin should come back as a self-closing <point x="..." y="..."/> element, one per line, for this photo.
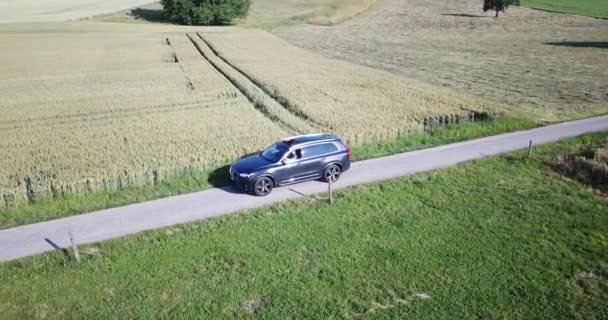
<point x="262" y="100"/>
<point x="189" y="83"/>
<point x="55" y="120"/>
<point x="282" y="100"/>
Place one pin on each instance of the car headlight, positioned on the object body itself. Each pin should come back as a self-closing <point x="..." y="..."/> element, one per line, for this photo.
<point x="245" y="175"/>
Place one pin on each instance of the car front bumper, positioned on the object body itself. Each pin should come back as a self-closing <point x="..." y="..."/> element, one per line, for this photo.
<point x="240" y="182"/>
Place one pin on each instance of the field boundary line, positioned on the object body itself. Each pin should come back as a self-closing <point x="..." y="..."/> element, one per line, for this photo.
<point x="280" y="99"/>
<point x="261" y="101"/>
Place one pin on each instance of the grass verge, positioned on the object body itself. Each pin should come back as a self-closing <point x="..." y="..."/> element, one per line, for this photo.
<point x="195" y="181"/>
<point x="497" y="238"/>
<point x="591" y="8"/>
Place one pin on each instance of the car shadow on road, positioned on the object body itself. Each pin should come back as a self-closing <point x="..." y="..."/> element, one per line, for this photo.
<point x="580" y="44"/>
<point x="232" y="189"/>
<point x="220" y="177"/>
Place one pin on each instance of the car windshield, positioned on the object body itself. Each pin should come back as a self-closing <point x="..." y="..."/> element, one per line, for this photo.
<point x="275" y="152"/>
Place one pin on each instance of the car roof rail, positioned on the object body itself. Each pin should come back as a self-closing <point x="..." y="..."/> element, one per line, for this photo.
<point x="302" y="136"/>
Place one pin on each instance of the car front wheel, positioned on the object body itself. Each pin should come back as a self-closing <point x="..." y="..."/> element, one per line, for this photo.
<point x="262" y="186"/>
<point x="332" y="173"/>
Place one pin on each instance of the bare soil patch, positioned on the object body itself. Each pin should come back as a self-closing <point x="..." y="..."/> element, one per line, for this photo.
<point x="525" y="57"/>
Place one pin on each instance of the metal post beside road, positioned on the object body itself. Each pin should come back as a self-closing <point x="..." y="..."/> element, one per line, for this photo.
<point x="74" y="247"/>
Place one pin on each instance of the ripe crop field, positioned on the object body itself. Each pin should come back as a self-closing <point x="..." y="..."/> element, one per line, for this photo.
<point x="554" y="65"/>
<point x="102" y="106"/>
<point x="84" y="112"/>
<point x="361" y="104"/>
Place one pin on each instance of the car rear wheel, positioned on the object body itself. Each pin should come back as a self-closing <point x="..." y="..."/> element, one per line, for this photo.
<point x="332" y="173"/>
<point x="262" y="186"/>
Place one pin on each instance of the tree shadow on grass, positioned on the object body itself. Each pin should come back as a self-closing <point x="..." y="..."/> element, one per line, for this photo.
<point x="151" y="15"/>
<point x="580" y="44"/>
<point x="463" y="15"/>
<point x="159" y="16"/>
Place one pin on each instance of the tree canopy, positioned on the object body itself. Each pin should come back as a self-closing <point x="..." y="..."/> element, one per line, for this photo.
<point x="498" y="5"/>
<point x="205" y="12"/>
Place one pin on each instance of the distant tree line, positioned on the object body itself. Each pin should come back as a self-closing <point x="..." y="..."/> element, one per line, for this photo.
<point x="205" y="12"/>
<point x="498" y="5"/>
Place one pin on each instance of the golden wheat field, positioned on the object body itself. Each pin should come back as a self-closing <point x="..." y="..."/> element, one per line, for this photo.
<point x="359" y="103"/>
<point x="89" y="106"/>
<point x="82" y="112"/>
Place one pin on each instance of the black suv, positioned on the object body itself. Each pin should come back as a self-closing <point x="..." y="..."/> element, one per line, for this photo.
<point x="292" y="160"/>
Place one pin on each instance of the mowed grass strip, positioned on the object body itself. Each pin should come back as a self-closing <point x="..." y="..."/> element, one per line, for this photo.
<point x="592" y="8"/>
<point x="502" y="237"/>
<point x="196" y="180"/>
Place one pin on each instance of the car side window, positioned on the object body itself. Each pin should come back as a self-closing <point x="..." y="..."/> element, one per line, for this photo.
<point x="295" y="155"/>
<point x="318" y="150"/>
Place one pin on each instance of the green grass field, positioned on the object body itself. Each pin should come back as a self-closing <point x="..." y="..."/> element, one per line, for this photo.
<point x="85" y="202"/>
<point x="592" y="8"/>
<point x="499" y="238"/>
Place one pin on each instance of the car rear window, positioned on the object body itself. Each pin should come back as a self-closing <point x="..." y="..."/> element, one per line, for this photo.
<point x="318" y="150"/>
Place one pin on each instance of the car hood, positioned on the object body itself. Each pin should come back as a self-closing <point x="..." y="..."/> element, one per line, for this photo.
<point x="250" y="164"/>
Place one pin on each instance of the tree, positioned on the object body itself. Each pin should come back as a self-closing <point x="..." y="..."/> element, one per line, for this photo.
<point x="498" y="5"/>
<point x="205" y="12"/>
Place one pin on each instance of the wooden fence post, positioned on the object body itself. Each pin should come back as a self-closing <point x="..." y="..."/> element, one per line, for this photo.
<point x="530" y="149"/>
<point x="74" y="247"/>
